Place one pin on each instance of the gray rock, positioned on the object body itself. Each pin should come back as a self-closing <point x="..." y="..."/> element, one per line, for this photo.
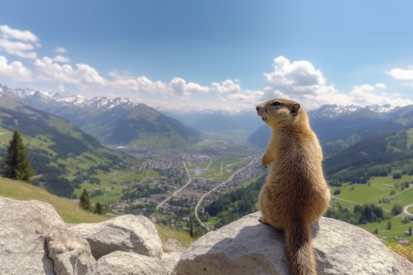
<point x="70" y="253"/>
<point x="128" y="263"/>
<point x="127" y="233"/>
<point x="169" y="260"/>
<point x="246" y="247"/>
<point x="25" y="228"/>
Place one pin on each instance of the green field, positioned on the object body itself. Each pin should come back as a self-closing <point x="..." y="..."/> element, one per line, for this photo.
<point x="397" y="229"/>
<point x="376" y="189"/>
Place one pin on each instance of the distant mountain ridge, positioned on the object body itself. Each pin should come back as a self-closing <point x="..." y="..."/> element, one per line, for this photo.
<point x="117" y="121"/>
<point x="339" y="127"/>
<point x="219" y="120"/>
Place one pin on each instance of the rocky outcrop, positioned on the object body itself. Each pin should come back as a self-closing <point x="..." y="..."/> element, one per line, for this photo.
<point x="129" y="263"/>
<point x="128" y="233"/>
<point x="247" y="247"/>
<point x="35" y="240"/>
<point x="70" y="253"/>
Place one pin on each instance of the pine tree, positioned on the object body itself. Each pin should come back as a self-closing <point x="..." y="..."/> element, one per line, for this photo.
<point x="84" y="202"/>
<point x="388" y="225"/>
<point x="191" y="230"/>
<point x="16" y="164"/>
<point x="375" y="232"/>
<point x="410" y="231"/>
<point x="98" y="209"/>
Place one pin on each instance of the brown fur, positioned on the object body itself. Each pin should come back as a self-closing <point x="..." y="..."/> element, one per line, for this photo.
<point x="295" y="194"/>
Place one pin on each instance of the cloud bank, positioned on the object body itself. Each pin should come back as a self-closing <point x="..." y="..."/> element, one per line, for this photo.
<point x="298" y="80"/>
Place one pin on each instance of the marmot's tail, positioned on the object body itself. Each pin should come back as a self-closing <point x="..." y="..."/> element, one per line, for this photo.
<point x="299" y="250"/>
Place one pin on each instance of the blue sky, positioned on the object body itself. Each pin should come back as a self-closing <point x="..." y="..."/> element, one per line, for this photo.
<point x="212" y="54"/>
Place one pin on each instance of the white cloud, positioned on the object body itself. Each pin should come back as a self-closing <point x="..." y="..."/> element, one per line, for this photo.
<point x="177" y="86"/>
<point x="82" y="75"/>
<point x="180" y="87"/>
<point x="301" y="81"/>
<point x="61" y="88"/>
<point x="9" y="33"/>
<point x="247" y="97"/>
<point x="226" y="87"/>
<point x="296" y="77"/>
<point x="140" y="84"/>
<point x="380" y="86"/>
<point x="364" y="95"/>
<point x="61" y="59"/>
<point x="401" y="73"/>
<point x="15" y="70"/>
<point x="60" y="50"/>
<point x="20" y="49"/>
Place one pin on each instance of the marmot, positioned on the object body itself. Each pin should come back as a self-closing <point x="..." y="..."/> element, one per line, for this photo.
<point x="295" y="194"/>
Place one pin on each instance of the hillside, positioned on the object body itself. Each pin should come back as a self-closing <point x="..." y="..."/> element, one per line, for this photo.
<point x="376" y="156"/>
<point x="115" y="121"/>
<point x="67" y="209"/>
<point x="63" y="157"/>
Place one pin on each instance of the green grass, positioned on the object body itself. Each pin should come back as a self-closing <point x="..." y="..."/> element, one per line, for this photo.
<point x="166" y="233"/>
<point x="377" y="189"/>
<point x="402" y="198"/>
<point x="397" y="229"/>
<point x="410" y="209"/>
<point x="389" y="179"/>
<point x="363" y="194"/>
<point x="67" y="209"/>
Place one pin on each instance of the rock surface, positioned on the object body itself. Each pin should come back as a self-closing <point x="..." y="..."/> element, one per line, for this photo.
<point x="128" y="263"/>
<point x="128" y="233"/>
<point x="169" y="260"/>
<point x="247" y="247"/>
<point x="70" y="253"/>
<point x="25" y="229"/>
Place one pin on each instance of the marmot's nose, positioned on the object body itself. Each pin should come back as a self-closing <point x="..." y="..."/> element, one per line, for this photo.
<point x="257" y="108"/>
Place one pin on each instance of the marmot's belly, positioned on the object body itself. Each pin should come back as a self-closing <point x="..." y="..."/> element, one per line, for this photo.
<point x="288" y="205"/>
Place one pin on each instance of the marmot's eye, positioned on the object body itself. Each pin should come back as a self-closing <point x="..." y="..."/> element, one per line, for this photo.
<point x="276" y="103"/>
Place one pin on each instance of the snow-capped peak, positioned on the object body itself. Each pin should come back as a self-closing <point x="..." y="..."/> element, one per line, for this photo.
<point x="387" y="108"/>
<point x="335" y="110"/>
<point x="65" y="98"/>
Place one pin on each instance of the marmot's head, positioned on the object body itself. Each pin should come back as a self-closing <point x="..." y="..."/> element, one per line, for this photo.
<point x="276" y="112"/>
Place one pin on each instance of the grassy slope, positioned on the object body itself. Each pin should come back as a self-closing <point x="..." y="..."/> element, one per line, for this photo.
<point x="67" y="209"/>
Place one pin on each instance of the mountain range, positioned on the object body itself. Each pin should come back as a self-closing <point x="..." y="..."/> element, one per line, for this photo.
<point x="219" y="121"/>
<point x="339" y="127"/>
<point x="115" y="121"/>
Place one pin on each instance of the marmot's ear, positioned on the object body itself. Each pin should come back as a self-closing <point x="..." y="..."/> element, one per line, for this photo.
<point x="294" y="109"/>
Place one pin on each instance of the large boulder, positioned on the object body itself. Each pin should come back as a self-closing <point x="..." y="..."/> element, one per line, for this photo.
<point x="247" y="247"/>
<point x="70" y="253"/>
<point x="30" y="232"/>
<point x="128" y="233"/>
<point x="129" y="263"/>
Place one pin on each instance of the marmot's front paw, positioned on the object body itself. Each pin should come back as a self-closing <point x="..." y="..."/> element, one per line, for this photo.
<point x="262" y="220"/>
<point x="264" y="163"/>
